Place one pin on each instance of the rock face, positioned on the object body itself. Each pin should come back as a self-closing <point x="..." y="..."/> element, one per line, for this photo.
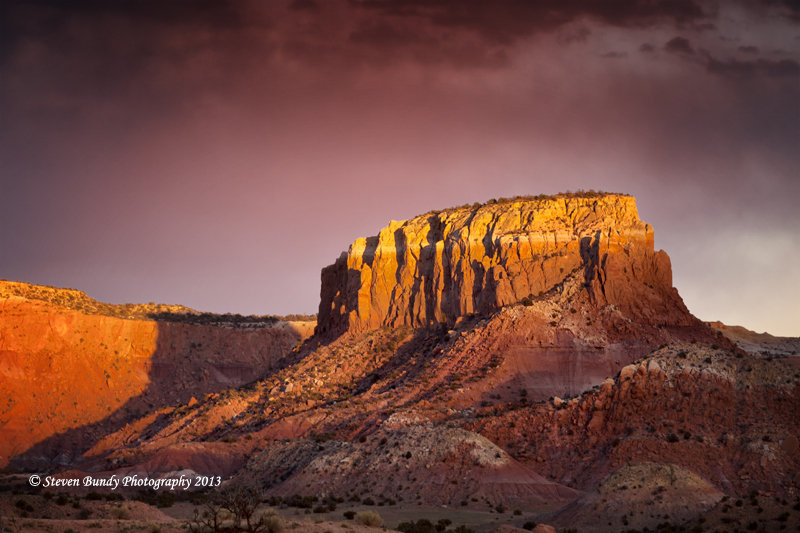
<point x="63" y="372"/>
<point x="441" y="266"/>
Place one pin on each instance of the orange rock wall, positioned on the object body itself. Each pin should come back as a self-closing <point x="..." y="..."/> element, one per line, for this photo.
<point x="61" y="369"/>
<point x="438" y="267"/>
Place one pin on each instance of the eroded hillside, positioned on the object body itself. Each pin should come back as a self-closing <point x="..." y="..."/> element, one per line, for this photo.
<point x="75" y="375"/>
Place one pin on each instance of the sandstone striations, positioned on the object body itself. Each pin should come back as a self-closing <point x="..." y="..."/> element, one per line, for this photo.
<point x="441" y="266"/>
<point x="62" y="369"/>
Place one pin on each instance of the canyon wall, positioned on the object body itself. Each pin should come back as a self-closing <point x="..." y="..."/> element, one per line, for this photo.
<point x="438" y="267"/>
<point x="63" y="372"/>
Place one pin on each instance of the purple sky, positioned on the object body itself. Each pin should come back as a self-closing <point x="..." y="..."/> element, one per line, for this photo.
<point x="219" y="154"/>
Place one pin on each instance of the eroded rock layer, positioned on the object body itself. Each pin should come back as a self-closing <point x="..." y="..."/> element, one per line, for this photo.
<point x="67" y="377"/>
<point x="441" y="266"/>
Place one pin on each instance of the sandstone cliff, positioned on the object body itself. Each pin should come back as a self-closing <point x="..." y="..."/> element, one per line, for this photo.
<point x="441" y="266"/>
<point x="62" y="370"/>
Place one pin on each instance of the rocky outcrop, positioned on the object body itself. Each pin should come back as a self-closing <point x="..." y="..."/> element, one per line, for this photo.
<point x="445" y="466"/>
<point x="441" y="266"/>
<point x="730" y="418"/>
<point x="63" y="372"/>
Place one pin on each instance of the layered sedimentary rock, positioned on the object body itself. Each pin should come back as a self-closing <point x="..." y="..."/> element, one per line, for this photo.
<point x="444" y="265"/>
<point x="74" y="375"/>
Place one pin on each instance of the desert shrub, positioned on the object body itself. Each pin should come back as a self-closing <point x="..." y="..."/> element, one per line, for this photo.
<point x="94" y="496"/>
<point x="349" y="514"/>
<point x="272" y="523"/>
<point x="672" y="437"/>
<point x="84" y="514"/>
<point x="152" y="527"/>
<point x="301" y="502"/>
<point x="368" y="501"/>
<point x="517" y="512"/>
<point x="529" y="526"/>
<point x="120" y="513"/>
<point x="370" y="518"/>
<point x="165" y="499"/>
<point x="422" y="525"/>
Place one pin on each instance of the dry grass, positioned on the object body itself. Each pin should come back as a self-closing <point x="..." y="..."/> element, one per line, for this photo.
<point x="370" y="518"/>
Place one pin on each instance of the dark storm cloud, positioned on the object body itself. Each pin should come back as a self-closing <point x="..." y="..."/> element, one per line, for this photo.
<point x="706" y="26"/>
<point x="679" y="45"/>
<point x="647" y="48"/>
<point x="749" y="49"/>
<point x="304" y="4"/>
<point x="787" y="9"/>
<point x="141" y="58"/>
<point x="785" y="68"/>
<point x="734" y="68"/>
<point x="505" y="21"/>
<point x="614" y="55"/>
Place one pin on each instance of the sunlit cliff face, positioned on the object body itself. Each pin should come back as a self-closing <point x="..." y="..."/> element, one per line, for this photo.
<point x="194" y="152"/>
<point x="63" y="370"/>
<point x="441" y="266"/>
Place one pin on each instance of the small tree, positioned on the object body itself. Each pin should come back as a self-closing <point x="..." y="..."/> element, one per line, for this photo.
<point x="242" y="502"/>
<point x="213" y="515"/>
